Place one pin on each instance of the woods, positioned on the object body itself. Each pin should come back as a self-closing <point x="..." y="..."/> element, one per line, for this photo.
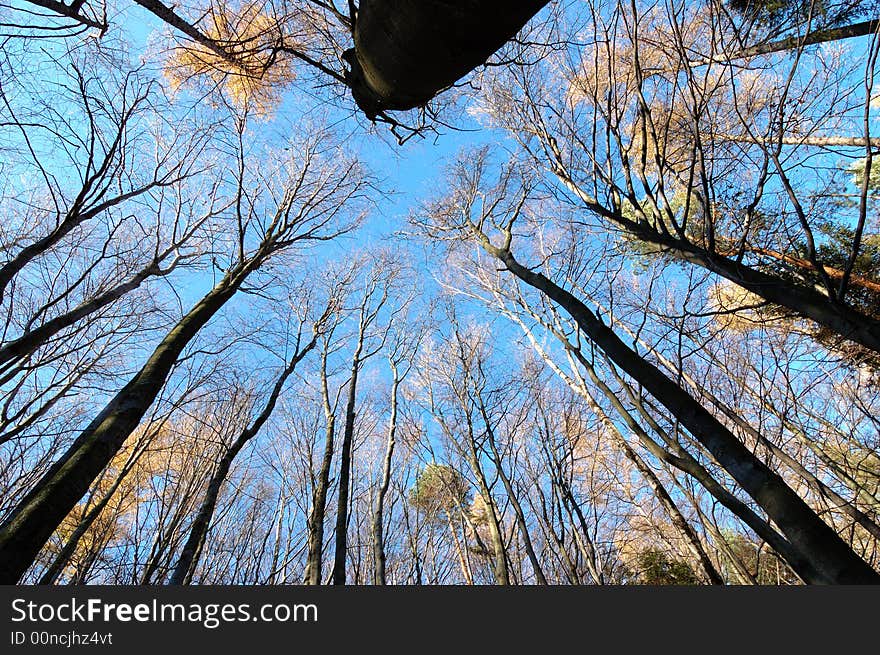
<point x="385" y="293"/>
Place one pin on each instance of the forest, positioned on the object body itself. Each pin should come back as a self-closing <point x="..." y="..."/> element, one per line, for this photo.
<point x="398" y="292"/>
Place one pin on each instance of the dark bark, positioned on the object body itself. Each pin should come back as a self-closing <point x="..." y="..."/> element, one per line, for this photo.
<point x="407" y="51"/>
<point x="315" y="524"/>
<point x="804" y="301"/>
<point x="809" y="303"/>
<point x="823" y="556"/>
<point x="36" y="517"/>
<point x="186" y="563"/>
<point x="341" y="551"/>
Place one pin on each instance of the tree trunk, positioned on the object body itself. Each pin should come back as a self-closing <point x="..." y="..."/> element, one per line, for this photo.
<point x="315" y="556"/>
<point x="341" y="551"/>
<point x="35" y="518"/>
<point x="809" y="303"/>
<point x="378" y="512"/>
<point x="28" y="342"/>
<point x="823" y="556"/>
<point x="407" y="51"/>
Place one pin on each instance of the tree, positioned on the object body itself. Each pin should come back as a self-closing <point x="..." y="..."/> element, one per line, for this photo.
<point x="691" y="155"/>
<point x="474" y="209"/>
<point x="316" y="196"/>
<point x="188" y="559"/>
<point x="371" y="335"/>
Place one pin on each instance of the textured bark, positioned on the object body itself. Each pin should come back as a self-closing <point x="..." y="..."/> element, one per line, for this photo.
<point x="36" y="517"/>
<point x="407" y="51"/>
<point x="824" y="557"/>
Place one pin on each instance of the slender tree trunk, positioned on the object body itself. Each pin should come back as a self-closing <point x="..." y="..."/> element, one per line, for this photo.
<point x="186" y="563"/>
<point x="828" y="35"/>
<point x="500" y="569"/>
<point x="378" y="512"/>
<point x="341" y="551"/>
<point x="823" y="556"/>
<point x="315" y="525"/>
<point x="692" y="539"/>
<point x="28" y="342"/>
<point x="463" y="561"/>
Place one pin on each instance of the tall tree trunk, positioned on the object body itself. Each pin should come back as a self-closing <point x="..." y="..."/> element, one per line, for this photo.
<point x="32" y="339"/>
<point x="315" y="523"/>
<point x="341" y="551"/>
<point x="499" y="567"/>
<point x="186" y="563"/>
<point x="35" y="518"/>
<point x="378" y="512"/>
<point x="822" y="556"/>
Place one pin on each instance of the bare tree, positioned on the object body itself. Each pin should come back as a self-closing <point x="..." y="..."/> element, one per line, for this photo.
<point x="313" y="206"/>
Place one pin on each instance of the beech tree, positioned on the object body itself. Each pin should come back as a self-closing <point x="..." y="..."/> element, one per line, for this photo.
<point x="626" y="335"/>
<point x="313" y="205"/>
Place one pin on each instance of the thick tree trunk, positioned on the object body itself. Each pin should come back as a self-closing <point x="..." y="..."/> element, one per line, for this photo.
<point x="36" y="517"/>
<point x="406" y="51"/>
<point x="824" y="557"/>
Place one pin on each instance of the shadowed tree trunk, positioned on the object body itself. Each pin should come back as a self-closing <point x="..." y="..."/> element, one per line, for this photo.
<point x="315" y="524"/>
<point x="407" y="51"/>
<point x="378" y="512"/>
<point x="511" y="493"/>
<point x="186" y="564"/>
<point x="296" y="218"/>
<point x="345" y="469"/>
<point x="368" y="314"/>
